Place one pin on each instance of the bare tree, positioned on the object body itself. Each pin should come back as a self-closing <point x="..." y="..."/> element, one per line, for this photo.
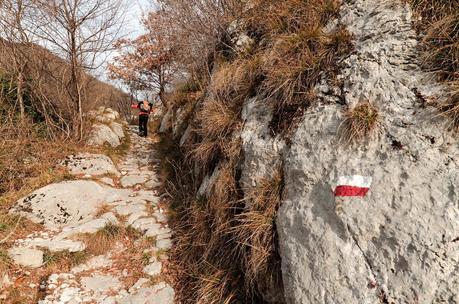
<point x="80" y="31"/>
<point x="14" y="37"/>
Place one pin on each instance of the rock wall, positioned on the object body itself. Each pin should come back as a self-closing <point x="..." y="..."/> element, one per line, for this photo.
<point x="399" y="243"/>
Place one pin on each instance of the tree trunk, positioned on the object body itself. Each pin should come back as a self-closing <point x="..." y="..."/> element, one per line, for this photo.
<point x="20" y="95"/>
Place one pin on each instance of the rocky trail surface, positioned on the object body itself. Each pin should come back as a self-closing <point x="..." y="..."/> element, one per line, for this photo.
<point x="104" y="207"/>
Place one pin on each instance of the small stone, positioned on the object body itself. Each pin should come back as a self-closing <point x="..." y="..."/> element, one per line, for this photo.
<point x="164" y="244"/>
<point x="131" y="180"/>
<point x="153" y="269"/>
<point x="68" y="294"/>
<point x="101" y="283"/>
<point x="26" y="256"/>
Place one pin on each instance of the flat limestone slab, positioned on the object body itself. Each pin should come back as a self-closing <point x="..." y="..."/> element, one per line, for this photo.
<point x="64" y="203"/>
<point x="158" y="294"/>
<point x="26" y="256"/>
<point x="92" y="164"/>
<point x="132" y="180"/>
<point x="101" y="283"/>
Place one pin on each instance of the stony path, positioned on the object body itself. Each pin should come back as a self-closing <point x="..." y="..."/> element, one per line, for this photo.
<point x="131" y="271"/>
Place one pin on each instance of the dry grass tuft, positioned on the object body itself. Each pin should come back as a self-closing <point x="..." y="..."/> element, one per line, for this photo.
<point x="450" y="109"/>
<point x="218" y="119"/>
<point x="104" y="208"/>
<point x="438" y="23"/>
<point x="103" y="240"/>
<point x="359" y="122"/>
<point x="256" y="235"/>
<point x="234" y="82"/>
<point x="215" y="288"/>
<point x="64" y="259"/>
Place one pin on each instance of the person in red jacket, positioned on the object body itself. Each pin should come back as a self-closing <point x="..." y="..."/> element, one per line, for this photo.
<point x="145" y="109"/>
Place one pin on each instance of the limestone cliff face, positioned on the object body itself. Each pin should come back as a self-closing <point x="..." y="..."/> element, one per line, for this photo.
<point x="398" y="244"/>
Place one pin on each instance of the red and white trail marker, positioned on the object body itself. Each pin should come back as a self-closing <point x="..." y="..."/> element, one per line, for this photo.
<point x="353" y="185"/>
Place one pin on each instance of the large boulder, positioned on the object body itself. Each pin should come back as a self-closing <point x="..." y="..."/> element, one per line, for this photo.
<point x="399" y="243"/>
<point x="102" y="134"/>
<point x="117" y="128"/>
<point x="92" y="164"/>
<point x="107" y="129"/>
<point x="68" y="202"/>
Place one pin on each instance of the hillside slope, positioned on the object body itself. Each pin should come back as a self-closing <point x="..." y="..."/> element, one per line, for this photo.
<point x="46" y="76"/>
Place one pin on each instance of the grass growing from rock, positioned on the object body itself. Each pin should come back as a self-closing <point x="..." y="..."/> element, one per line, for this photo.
<point x="359" y="122"/>
<point x="63" y="259"/>
<point x="103" y="240"/>
<point x="225" y="242"/>
<point x="438" y="23"/>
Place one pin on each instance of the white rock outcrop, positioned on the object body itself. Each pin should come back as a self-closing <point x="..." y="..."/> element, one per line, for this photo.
<point x="399" y="244"/>
<point x="106" y="129"/>
<point x="64" y="203"/>
<point x="90" y="164"/>
<point x="102" y="134"/>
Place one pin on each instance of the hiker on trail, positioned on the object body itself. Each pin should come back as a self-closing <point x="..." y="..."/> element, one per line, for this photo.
<point x="145" y="108"/>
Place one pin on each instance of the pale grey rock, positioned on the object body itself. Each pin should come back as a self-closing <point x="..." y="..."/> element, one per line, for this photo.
<point x="108" y="300"/>
<point x="69" y="294"/>
<point x="129" y="209"/>
<point x="153" y="269"/>
<point x="102" y="134"/>
<point x="152" y="184"/>
<point x="396" y="244"/>
<point x="57" y="245"/>
<point x="186" y="135"/>
<point x="107" y="181"/>
<point x="208" y="182"/>
<point x="135" y="216"/>
<point x="166" y="122"/>
<point x="164" y="244"/>
<point x="110" y="218"/>
<point x="92" y="164"/>
<point x="160" y="217"/>
<point x="145" y="223"/>
<point x="261" y="150"/>
<point x="153" y="230"/>
<point x="67" y="202"/>
<point x="97" y="262"/>
<point x="27" y="257"/>
<point x="88" y="227"/>
<point x="160" y="293"/>
<point x="101" y="283"/>
<point x="117" y="128"/>
<point x="132" y="180"/>
<point x="141" y="283"/>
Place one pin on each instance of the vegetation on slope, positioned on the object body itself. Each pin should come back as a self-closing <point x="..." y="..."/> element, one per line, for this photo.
<point x="225" y="247"/>
<point x="438" y="24"/>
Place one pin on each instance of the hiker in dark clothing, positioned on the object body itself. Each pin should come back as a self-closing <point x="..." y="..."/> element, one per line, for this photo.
<point x="145" y="108"/>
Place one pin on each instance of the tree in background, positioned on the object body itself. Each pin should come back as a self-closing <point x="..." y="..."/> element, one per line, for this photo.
<point x="13" y="37"/>
<point x="146" y="63"/>
<point x="80" y="31"/>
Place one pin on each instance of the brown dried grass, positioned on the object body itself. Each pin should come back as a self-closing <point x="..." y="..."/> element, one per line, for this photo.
<point x="103" y="240"/>
<point x="359" y="122"/>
